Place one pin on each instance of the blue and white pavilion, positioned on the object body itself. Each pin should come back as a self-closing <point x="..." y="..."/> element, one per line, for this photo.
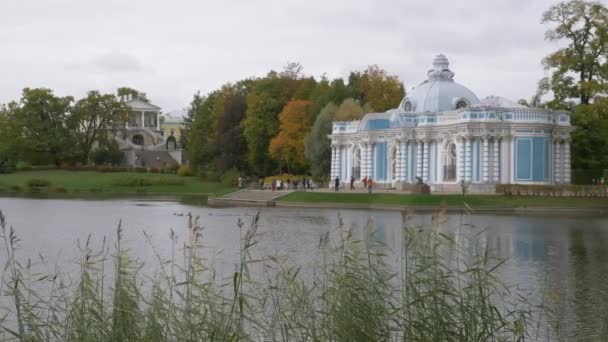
<point x="442" y="133"/>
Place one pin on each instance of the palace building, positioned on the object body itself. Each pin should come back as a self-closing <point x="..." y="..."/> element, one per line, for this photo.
<point x="442" y="134"/>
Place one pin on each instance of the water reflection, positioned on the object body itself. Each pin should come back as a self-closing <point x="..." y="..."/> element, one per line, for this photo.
<point x="558" y="261"/>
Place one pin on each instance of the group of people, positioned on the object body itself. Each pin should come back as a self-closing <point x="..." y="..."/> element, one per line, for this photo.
<point x="597" y="181"/>
<point x="367" y="183"/>
<point x="278" y="184"/>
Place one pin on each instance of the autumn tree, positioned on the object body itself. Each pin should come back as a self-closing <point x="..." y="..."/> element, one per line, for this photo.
<point x="579" y="69"/>
<point x="350" y="110"/>
<point x="94" y="118"/>
<point x="199" y="131"/>
<point x="288" y="146"/>
<point x="317" y="146"/>
<point x="376" y="88"/>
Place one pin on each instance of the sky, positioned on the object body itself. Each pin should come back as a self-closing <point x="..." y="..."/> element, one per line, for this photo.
<point x="171" y="49"/>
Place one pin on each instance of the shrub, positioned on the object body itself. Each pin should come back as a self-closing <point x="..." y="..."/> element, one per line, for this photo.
<point x="170" y="168"/>
<point x="230" y="177"/>
<point x="38" y="183"/>
<point x="154" y="170"/>
<point x="110" y="155"/>
<point x="139" y="169"/>
<point x="23" y="166"/>
<point x="146" y="181"/>
<point x="15" y="188"/>
<point x="60" y="189"/>
<point x="184" y="171"/>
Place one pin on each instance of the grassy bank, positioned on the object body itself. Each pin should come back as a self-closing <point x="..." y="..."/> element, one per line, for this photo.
<point x="438" y="200"/>
<point x="441" y="289"/>
<point x="90" y="183"/>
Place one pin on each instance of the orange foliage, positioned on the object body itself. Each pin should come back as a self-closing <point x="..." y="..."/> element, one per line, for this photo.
<point x="288" y="146"/>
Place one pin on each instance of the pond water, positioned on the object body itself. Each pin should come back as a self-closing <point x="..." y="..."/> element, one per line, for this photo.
<point x="564" y="257"/>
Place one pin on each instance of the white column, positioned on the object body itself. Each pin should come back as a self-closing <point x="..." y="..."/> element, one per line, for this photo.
<point x="425" y="160"/>
<point x="460" y="159"/>
<point x="496" y="160"/>
<point x="157" y="122"/>
<point x="143" y="119"/>
<point x="419" y="148"/>
<point x="402" y="161"/>
<point x="397" y="161"/>
<point x="370" y="162"/>
<point x="486" y="160"/>
<point x="567" y="166"/>
<point x="333" y="164"/>
<point x="557" y="161"/>
<point x="467" y="160"/>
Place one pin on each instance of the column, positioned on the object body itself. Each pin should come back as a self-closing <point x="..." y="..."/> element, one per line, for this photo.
<point x="333" y="164"/>
<point x="419" y="148"/>
<point x="467" y="159"/>
<point x="557" y="161"/>
<point x="397" y="160"/>
<point x="370" y="164"/>
<point x="403" y="161"/>
<point x="157" y="122"/>
<point x="486" y="160"/>
<point x="567" y="169"/>
<point x="143" y="119"/>
<point x="460" y="159"/>
<point x="339" y="163"/>
<point x="496" y="160"/>
<point x="425" y="160"/>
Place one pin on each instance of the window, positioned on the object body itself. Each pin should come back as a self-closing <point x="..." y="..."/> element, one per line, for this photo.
<point x="461" y="104"/>
<point x="407" y="106"/>
<point x="138" y="139"/>
<point x="378" y="124"/>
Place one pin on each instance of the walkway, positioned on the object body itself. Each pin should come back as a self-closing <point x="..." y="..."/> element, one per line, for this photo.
<point x="247" y="198"/>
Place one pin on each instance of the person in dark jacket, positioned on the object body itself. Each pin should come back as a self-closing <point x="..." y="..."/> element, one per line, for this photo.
<point x="337" y="183"/>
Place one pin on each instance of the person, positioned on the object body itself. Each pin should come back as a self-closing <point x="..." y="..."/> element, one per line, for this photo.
<point x="288" y="183"/>
<point x="261" y="183"/>
<point x="274" y="185"/>
<point x="352" y="183"/>
<point x="370" y="183"/>
<point x="365" y="182"/>
<point x="337" y="183"/>
<point x="240" y="182"/>
<point x="295" y="184"/>
<point x="279" y="185"/>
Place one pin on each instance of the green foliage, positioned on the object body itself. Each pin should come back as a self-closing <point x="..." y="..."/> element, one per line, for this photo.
<point x="126" y="93"/>
<point x="199" y="131"/>
<point x="230" y="178"/>
<point x="184" y="171"/>
<point x="170" y="168"/>
<point x="590" y="138"/>
<point x="317" y="145"/>
<point x="107" y="155"/>
<point x="350" y="110"/>
<point x="578" y="70"/>
<point x="94" y="120"/>
<point x="38" y="183"/>
<point x="146" y="181"/>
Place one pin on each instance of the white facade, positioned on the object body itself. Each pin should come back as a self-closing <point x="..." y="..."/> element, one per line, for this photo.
<point x="443" y="134"/>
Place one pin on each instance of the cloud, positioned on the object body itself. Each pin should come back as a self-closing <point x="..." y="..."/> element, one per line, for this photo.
<point x="114" y="62"/>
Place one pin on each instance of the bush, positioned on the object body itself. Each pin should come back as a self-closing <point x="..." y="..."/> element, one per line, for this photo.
<point x="16" y="188"/>
<point x="38" y="183"/>
<point x="146" y="181"/>
<point x="230" y="177"/>
<point x="60" y="189"/>
<point x="107" y="156"/>
<point x="170" y="168"/>
<point x="23" y="166"/>
<point x="184" y="171"/>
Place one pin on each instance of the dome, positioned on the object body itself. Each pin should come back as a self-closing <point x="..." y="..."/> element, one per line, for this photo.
<point x="439" y="93"/>
<point x="499" y="102"/>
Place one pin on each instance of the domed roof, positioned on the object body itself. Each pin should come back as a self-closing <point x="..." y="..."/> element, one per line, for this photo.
<point x="439" y="93"/>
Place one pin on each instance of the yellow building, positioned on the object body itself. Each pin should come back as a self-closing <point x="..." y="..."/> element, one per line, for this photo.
<point x="171" y="128"/>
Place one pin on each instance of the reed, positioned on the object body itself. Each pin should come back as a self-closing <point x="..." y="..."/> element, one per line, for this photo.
<point x="444" y="288"/>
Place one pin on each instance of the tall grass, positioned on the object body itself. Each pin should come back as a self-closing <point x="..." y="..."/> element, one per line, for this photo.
<point x="444" y="288"/>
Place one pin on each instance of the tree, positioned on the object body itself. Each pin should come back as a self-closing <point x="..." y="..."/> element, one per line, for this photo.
<point x="126" y="94"/>
<point x="350" y="110"/>
<point x="94" y="119"/>
<point x="41" y="118"/>
<point x="8" y="147"/>
<point x="578" y="70"/>
<point x="288" y="146"/>
<point x="590" y="138"/>
<point x="230" y="145"/>
<point x="199" y="130"/>
<point x="376" y="88"/>
<point x="317" y="146"/>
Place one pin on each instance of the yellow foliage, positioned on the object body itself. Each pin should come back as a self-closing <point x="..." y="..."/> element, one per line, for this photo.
<point x="288" y="146"/>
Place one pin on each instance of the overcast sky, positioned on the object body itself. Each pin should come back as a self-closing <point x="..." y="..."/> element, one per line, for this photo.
<point x="170" y="49"/>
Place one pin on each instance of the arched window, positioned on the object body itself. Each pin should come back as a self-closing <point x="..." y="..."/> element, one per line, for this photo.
<point x="138" y="139"/>
<point x="171" y="144"/>
<point x="407" y="106"/>
<point x="461" y="104"/>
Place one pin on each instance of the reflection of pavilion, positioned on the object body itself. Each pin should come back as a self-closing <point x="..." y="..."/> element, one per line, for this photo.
<point x="142" y="141"/>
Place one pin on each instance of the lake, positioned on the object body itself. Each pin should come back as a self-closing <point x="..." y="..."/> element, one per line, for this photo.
<point x="565" y="258"/>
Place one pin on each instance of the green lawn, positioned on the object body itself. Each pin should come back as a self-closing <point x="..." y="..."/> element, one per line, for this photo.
<point x="450" y="200"/>
<point x="90" y="182"/>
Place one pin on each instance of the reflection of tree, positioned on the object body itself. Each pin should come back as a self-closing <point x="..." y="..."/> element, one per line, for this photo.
<point x="589" y="257"/>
